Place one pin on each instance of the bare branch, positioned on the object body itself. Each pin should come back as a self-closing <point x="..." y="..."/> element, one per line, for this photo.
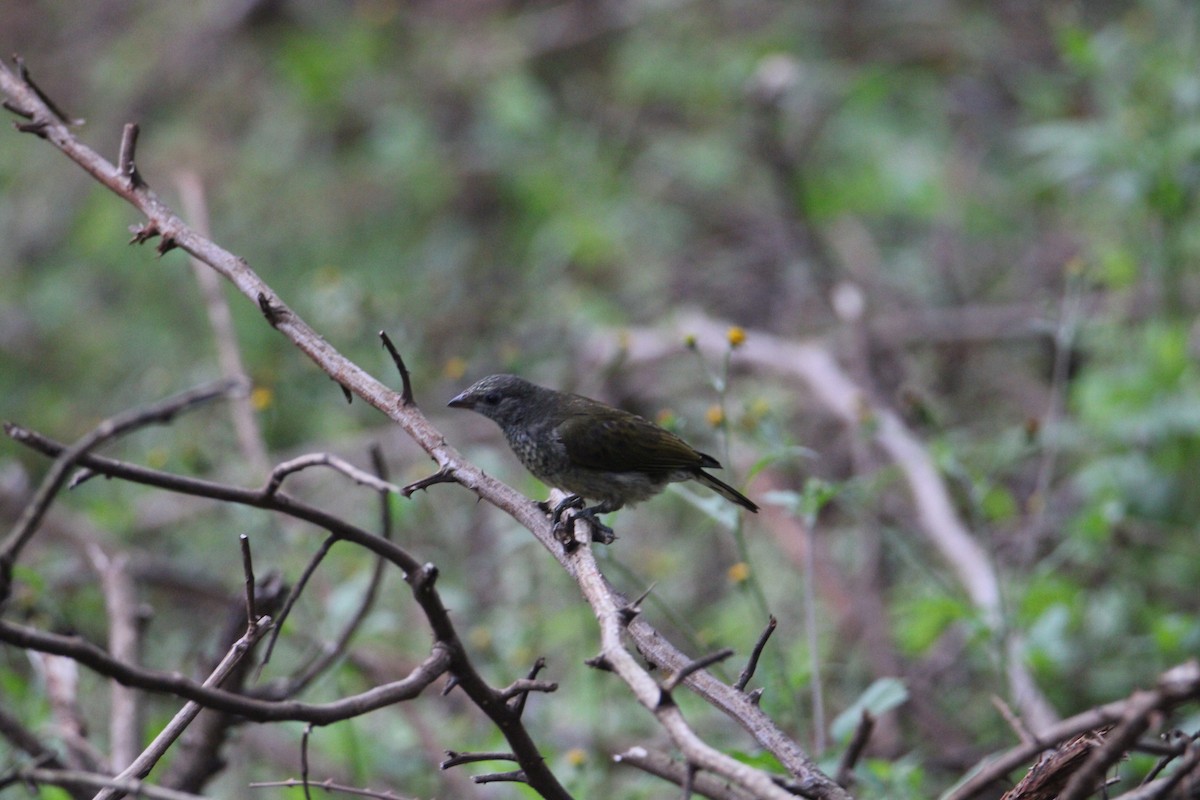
<point x="124" y="643"/>
<point x="155" y="413"/>
<point x="1177" y="685"/>
<point x="862" y="735"/>
<point x="220" y="320"/>
<point x="142" y="765"/>
<point x="252" y="708"/>
<point x="91" y="781"/>
<point x="332" y="652"/>
<point x="282" y="471"/>
<point x="670" y="769"/>
<point x="331" y="786"/>
<point x="522" y="687"/>
<point x="455" y="759"/>
<point x="812" y="363"/>
<point x="651" y="695"/>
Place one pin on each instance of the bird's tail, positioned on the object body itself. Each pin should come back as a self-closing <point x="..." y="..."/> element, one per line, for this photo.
<point x="725" y="490"/>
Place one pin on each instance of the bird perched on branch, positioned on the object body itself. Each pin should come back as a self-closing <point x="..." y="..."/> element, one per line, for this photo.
<point x="592" y="450"/>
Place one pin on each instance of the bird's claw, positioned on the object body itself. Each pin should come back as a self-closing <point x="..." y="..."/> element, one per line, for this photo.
<point x="570" y="501"/>
<point x="564" y="528"/>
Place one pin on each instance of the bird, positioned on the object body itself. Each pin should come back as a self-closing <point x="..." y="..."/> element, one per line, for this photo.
<point x="590" y="449"/>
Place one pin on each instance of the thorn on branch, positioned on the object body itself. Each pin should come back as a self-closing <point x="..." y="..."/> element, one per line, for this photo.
<point x="441" y="476"/>
<point x="125" y="158"/>
<point x="752" y="662"/>
<point x="406" y="392"/>
<point x="600" y="662"/>
<point x="694" y="666"/>
<point x="629" y="612"/>
<point x="144" y="232"/>
<point x="37" y="128"/>
<point x="165" y="245"/>
<point x="455" y="758"/>
<point x="451" y="682"/>
<point x="27" y="79"/>
<point x="273" y="311"/>
<point x="15" y="109"/>
<point x="755" y="696"/>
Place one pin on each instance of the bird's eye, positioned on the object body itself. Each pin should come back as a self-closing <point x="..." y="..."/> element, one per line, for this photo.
<point x="491" y="398"/>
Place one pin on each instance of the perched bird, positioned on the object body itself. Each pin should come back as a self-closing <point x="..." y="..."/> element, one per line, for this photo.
<point x="590" y="449"/>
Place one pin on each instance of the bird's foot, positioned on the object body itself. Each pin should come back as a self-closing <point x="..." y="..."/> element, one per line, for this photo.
<point x="570" y="501"/>
<point x="564" y="526"/>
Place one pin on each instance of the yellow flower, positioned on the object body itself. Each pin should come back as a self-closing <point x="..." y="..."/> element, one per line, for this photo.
<point x="715" y="416"/>
<point x="261" y="398"/>
<point x="455" y="368"/>
<point x="739" y="572"/>
<point x="736" y="336"/>
<point x="577" y="757"/>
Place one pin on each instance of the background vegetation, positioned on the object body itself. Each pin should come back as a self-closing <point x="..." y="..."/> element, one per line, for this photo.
<point x="1009" y="189"/>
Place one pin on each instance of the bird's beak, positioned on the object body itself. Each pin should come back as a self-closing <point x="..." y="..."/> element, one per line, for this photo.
<point x="461" y="401"/>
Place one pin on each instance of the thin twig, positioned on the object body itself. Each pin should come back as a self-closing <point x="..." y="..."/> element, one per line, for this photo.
<point x="124" y="643"/>
<point x="248" y="572"/>
<point x="361" y="477"/>
<point x="406" y="391"/>
<point x="304" y="760"/>
<point x="663" y="766"/>
<point x="126" y="159"/>
<point x="700" y="663"/>
<point x="441" y="476"/>
<point x="311" y="567"/>
<point x="455" y="758"/>
<point x="142" y="765"/>
<point x="523" y="686"/>
<point x="54" y="108"/>
<point x="252" y="708"/>
<point x="329" y="785"/>
<point x="516" y="776"/>
<point x="862" y="734"/>
<point x="160" y="412"/>
<point x="334" y="651"/>
<point x="752" y="662"/>
<point x="79" y="779"/>
<point x="518" y="703"/>
<point x="220" y="320"/>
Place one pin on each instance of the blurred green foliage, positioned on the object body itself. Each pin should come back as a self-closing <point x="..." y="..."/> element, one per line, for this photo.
<point x="499" y="186"/>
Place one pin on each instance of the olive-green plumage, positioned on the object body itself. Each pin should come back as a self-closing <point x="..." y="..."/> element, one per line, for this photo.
<point x="588" y="448"/>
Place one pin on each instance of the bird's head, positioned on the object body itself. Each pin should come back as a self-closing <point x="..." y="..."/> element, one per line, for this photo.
<point x="505" y="399"/>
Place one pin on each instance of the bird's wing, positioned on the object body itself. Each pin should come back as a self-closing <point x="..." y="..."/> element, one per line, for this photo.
<point x="617" y="441"/>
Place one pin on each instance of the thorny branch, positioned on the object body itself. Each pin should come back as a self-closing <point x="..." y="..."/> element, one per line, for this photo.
<point x="162" y="222"/>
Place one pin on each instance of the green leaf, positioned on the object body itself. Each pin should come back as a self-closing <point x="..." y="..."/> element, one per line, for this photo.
<point x="880" y="697"/>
